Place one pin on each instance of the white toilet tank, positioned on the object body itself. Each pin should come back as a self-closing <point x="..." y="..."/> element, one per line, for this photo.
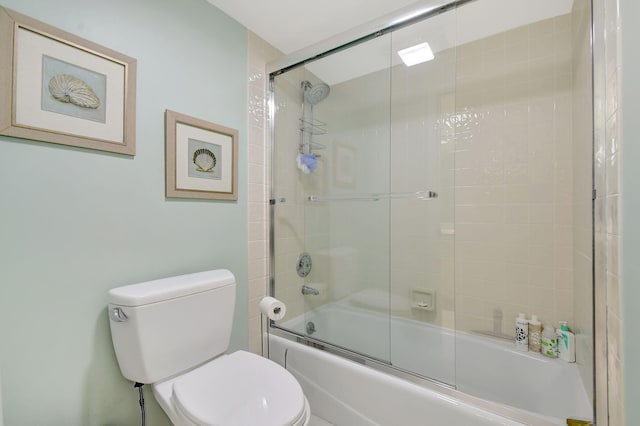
<point x="163" y="327"/>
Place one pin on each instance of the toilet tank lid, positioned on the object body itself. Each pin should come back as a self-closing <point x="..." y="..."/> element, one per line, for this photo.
<point x="170" y="288"/>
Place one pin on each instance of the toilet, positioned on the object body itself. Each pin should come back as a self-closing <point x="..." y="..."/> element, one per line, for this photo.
<point x="173" y="333"/>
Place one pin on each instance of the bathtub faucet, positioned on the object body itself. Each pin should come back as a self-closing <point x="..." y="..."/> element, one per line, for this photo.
<point x="308" y="290"/>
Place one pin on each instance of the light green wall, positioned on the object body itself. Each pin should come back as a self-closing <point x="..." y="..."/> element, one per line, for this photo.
<point x="630" y="135"/>
<point x="75" y="222"/>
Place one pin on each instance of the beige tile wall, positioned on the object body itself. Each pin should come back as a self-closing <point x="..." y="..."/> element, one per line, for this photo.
<point x="600" y="249"/>
<point x="513" y="177"/>
<point x="289" y="209"/>
<point x="288" y="182"/>
<point x="582" y="153"/>
<point x="260" y="53"/>
<point x="612" y="157"/>
<point x="422" y="159"/>
<point x="608" y="154"/>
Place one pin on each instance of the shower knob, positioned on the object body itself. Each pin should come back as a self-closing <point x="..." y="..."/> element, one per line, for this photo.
<point x="303" y="264"/>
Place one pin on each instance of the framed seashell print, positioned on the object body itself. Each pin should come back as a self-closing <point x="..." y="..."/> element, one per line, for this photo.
<point x="201" y="159"/>
<point x="57" y="87"/>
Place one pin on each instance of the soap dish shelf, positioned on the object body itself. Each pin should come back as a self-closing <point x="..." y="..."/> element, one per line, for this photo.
<point x="423" y="299"/>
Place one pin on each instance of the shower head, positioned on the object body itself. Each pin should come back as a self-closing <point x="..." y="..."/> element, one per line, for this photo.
<point x="315" y="93"/>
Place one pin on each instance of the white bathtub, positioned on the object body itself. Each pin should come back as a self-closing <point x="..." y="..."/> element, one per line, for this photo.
<point x="489" y="375"/>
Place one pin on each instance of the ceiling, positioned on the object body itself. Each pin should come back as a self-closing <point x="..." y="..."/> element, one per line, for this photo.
<point x="474" y="21"/>
<point x="291" y="25"/>
<point x="302" y="28"/>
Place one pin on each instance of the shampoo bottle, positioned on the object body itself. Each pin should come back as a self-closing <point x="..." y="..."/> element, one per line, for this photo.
<point x="566" y="343"/>
<point x="548" y="342"/>
<point x="522" y="333"/>
<point x="535" y="333"/>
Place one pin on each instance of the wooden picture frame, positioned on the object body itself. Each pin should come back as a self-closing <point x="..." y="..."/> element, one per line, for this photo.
<point x="60" y="88"/>
<point x="201" y="159"/>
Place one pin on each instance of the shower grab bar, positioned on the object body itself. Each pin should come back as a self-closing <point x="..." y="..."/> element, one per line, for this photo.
<point x="420" y="195"/>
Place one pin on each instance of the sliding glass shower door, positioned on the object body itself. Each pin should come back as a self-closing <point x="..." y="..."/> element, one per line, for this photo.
<point x="431" y="182"/>
<point x="363" y="198"/>
<point x="331" y="186"/>
<point x="422" y="210"/>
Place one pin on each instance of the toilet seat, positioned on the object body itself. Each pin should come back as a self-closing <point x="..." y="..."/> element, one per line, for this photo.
<point x="239" y="389"/>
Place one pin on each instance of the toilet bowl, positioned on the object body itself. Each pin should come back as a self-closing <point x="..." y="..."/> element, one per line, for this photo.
<point x="172" y="333"/>
<point x="257" y="389"/>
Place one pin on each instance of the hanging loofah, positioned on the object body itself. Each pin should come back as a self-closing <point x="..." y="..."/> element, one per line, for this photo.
<point x="307" y="162"/>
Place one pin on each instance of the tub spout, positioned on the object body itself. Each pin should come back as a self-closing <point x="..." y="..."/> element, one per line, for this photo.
<point x="308" y="290"/>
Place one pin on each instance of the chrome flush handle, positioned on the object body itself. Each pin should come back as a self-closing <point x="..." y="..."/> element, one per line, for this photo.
<point x="117" y="315"/>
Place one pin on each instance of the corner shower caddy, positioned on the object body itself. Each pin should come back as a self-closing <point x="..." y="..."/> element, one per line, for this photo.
<point x="312" y="94"/>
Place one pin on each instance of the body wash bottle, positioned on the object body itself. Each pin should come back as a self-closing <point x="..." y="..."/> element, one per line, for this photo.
<point x="535" y="331"/>
<point x="549" y="342"/>
<point x="522" y="333"/>
<point x="566" y="343"/>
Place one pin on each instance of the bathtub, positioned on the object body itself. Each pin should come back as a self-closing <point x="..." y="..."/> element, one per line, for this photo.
<point x="485" y="380"/>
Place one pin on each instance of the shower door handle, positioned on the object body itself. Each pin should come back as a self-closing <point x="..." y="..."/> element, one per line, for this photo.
<point x="373" y="196"/>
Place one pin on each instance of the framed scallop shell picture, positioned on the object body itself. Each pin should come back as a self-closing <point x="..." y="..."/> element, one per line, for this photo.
<point x="201" y="159"/>
<point x="57" y="87"/>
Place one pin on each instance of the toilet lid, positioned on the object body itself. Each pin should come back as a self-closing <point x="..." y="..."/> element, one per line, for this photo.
<point x="239" y="389"/>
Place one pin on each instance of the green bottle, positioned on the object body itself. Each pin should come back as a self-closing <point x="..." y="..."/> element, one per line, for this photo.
<point x="549" y="342"/>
